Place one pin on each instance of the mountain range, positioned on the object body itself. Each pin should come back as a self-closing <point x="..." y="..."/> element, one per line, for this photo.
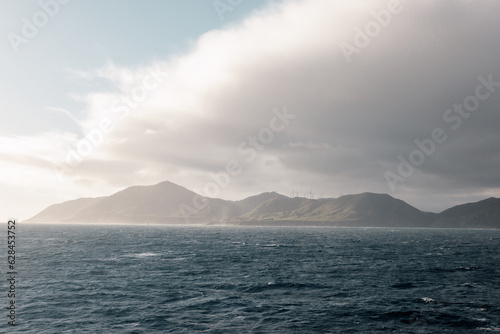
<point x="168" y="203"/>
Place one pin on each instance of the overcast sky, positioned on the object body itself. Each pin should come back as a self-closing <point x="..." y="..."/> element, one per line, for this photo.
<point x="323" y="96"/>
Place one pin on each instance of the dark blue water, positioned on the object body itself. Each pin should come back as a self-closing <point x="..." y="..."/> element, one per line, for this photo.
<point x="159" y="279"/>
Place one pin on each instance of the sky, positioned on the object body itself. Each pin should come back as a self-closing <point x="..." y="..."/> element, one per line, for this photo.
<point x="232" y="98"/>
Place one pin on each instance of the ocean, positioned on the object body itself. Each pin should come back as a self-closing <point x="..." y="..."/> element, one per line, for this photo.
<point x="173" y="279"/>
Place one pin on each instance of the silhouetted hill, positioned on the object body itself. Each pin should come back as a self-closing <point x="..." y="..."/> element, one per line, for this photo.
<point x="274" y="209"/>
<point x="138" y="204"/>
<point x="482" y="214"/>
<point x="169" y="203"/>
<point x="252" y="202"/>
<point x="365" y="209"/>
<point x="64" y="211"/>
<point x="160" y="203"/>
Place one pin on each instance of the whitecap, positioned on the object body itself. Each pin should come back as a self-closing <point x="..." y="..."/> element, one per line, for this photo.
<point x="427" y="300"/>
<point x="489" y="329"/>
<point x="147" y="254"/>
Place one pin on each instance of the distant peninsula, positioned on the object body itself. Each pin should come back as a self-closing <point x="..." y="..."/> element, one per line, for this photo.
<point x="168" y="203"/>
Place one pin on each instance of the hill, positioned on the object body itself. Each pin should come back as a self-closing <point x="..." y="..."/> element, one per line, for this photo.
<point x="482" y="214"/>
<point x="365" y="209"/>
<point x="64" y="211"/>
<point x="169" y="203"/>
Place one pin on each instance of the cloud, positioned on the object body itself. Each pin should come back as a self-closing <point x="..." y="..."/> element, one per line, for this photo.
<point x="352" y="121"/>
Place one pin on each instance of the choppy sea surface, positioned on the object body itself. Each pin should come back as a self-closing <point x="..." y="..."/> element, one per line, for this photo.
<point x="169" y="279"/>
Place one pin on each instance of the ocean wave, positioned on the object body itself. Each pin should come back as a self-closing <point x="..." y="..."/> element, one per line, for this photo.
<point x="141" y="255"/>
